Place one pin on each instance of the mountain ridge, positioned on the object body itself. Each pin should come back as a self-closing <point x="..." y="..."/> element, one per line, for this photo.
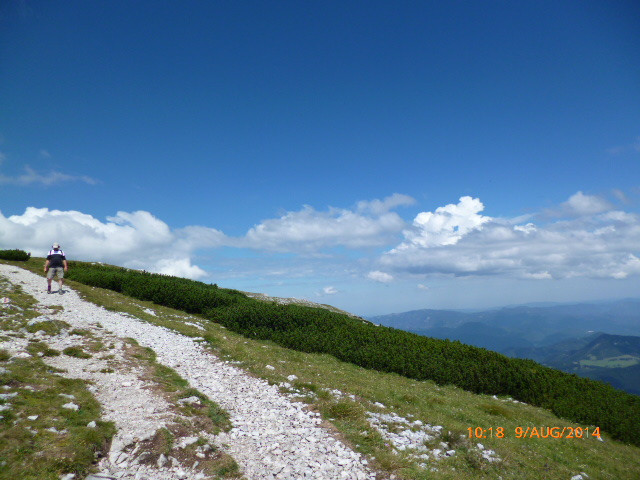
<point x="555" y="336"/>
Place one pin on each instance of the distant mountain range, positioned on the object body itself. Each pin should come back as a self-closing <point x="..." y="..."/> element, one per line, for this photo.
<point x="596" y="340"/>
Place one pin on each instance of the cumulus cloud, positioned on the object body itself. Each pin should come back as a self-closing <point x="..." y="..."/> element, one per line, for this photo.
<point x="30" y="177"/>
<point x="308" y="230"/>
<point x="378" y="276"/>
<point x="596" y="242"/>
<point x="446" y="226"/>
<point x="132" y="239"/>
<point x="581" y="204"/>
<point x="329" y="290"/>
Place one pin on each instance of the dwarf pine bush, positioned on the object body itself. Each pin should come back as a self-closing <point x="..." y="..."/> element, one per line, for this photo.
<point x="15" y="255"/>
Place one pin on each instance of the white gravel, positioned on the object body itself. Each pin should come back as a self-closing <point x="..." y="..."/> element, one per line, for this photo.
<point x="272" y="437"/>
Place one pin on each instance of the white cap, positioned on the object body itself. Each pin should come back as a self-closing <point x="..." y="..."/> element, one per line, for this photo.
<point x="56" y="245"/>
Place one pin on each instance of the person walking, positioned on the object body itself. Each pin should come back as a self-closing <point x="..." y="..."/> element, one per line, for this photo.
<point x="56" y="264"/>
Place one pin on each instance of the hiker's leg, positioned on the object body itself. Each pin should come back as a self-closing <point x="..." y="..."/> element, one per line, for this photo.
<point x="49" y="278"/>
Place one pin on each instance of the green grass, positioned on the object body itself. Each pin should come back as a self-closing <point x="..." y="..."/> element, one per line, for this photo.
<point x="206" y="414"/>
<point x="28" y="450"/>
<point x="201" y="416"/>
<point x="316" y="330"/>
<point x="453" y="408"/>
<point x="76" y="352"/>
<point x="75" y="450"/>
<point x="612" y="362"/>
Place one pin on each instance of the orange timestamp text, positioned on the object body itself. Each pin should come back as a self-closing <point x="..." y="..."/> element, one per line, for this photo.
<point x="534" y="432"/>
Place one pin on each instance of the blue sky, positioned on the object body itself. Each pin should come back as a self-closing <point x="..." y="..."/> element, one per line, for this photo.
<point x="377" y="156"/>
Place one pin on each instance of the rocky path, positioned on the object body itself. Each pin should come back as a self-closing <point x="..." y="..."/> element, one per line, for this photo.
<point x="271" y="438"/>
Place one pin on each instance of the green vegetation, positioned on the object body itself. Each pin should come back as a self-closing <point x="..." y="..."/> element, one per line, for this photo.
<point x="622" y="361"/>
<point x="197" y="413"/>
<point x="40" y="439"/>
<point x="177" y="388"/>
<point x="76" y="352"/>
<point x="455" y="409"/>
<point x="180" y="293"/>
<point x="316" y="330"/>
<point x="15" y="255"/>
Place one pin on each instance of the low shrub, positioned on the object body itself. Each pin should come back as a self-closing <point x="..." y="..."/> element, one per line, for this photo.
<point x="15" y="255"/>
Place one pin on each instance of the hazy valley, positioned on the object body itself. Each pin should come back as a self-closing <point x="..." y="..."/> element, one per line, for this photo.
<point x="595" y="340"/>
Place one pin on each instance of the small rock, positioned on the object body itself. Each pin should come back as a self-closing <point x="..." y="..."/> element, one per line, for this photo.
<point x="71" y="406"/>
<point x="292" y="378"/>
<point x="91" y="424"/>
<point x="270" y="367"/>
<point x="68" y="476"/>
<point x="186" y="441"/>
<point x="33" y="417"/>
<point x="55" y="430"/>
<point x="162" y="460"/>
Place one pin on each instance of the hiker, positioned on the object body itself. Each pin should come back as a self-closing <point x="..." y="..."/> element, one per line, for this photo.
<point x="56" y="264"/>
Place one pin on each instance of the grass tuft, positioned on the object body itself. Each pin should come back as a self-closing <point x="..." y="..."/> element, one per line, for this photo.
<point x="496" y="410"/>
<point x="76" y="352"/>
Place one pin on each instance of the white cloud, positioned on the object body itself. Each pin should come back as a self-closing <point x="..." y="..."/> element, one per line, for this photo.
<point x="309" y="230"/>
<point x="446" y="226"/>
<point x="179" y="268"/>
<point x="600" y="244"/>
<point x="329" y="290"/>
<point x="581" y="204"/>
<point x="30" y="176"/>
<point x="387" y="204"/>
<point x="423" y="287"/>
<point x="44" y="153"/>
<point x="379" y="276"/>
<point x="132" y="239"/>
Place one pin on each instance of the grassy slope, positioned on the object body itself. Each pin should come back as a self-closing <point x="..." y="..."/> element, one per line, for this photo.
<point x="451" y="407"/>
<point x="28" y="450"/>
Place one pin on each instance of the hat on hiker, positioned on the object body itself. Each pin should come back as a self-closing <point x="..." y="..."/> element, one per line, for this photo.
<point x="56" y="245"/>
